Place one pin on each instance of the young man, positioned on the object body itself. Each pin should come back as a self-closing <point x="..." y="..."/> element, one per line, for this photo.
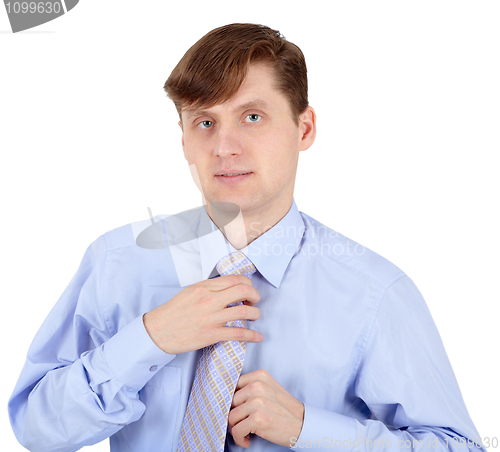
<point x="146" y="347"/>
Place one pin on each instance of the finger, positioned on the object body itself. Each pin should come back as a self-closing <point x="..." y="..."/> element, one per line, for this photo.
<point x="236" y="333"/>
<point x="223" y="282"/>
<point x="238" y="292"/>
<point x="259" y="375"/>
<point x="235" y="418"/>
<point x="252" y="390"/>
<point x="240" y="312"/>
<point x="236" y="414"/>
<point x="241" y="433"/>
<point x="242" y="442"/>
<point x="239" y="398"/>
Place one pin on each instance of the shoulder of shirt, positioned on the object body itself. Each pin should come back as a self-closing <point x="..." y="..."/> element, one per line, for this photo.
<point x="124" y="236"/>
<point x="350" y="254"/>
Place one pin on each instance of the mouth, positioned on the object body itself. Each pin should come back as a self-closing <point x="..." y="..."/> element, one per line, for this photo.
<point x="233" y="177"/>
<point x="233" y="174"/>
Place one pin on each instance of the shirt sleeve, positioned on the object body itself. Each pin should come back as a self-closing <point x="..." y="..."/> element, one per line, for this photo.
<point x="405" y="385"/>
<point x="79" y="384"/>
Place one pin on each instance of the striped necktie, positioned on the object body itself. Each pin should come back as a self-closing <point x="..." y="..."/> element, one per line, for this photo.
<point x="205" y="422"/>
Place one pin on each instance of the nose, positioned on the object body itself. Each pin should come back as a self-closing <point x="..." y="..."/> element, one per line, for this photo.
<point x="227" y="142"/>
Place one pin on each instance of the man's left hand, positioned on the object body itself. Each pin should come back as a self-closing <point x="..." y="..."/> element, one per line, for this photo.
<point x="263" y="407"/>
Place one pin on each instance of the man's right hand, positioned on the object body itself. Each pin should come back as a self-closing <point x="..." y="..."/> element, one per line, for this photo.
<point x="196" y="317"/>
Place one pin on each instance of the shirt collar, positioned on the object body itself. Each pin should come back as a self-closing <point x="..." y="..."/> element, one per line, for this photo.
<point x="270" y="253"/>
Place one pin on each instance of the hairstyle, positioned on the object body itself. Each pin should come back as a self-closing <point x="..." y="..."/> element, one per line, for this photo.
<point x="214" y="68"/>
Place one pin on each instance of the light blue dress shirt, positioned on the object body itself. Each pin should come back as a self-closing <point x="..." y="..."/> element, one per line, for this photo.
<point x="345" y="331"/>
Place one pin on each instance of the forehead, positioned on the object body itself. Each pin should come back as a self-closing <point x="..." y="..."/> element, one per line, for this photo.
<point x="258" y="90"/>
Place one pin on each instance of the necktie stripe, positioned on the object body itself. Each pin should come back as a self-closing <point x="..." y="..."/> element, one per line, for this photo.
<point x="205" y="422"/>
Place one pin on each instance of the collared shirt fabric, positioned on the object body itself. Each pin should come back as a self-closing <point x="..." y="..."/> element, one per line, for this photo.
<point x="345" y="332"/>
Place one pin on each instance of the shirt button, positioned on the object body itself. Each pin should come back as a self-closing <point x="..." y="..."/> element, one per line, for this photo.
<point x="153" y="368"/>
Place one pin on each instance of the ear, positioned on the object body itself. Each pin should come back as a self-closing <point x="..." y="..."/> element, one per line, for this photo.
<point x="182" y="139"/>
<point x="307" y="126"/>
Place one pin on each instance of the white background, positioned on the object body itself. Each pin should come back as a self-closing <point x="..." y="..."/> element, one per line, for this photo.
<point x="405" y="161"/>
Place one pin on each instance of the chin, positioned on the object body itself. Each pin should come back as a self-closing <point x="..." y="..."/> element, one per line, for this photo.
<point x="225" y="206"/>
<point x="230" y="203"/>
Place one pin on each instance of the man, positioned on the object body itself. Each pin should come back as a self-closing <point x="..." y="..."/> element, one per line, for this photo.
<point x="342" y="351"/>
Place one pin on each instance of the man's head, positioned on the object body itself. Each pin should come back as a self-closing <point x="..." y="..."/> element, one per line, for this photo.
<point x="241" y="94"/>
<point x="214" y="68"/>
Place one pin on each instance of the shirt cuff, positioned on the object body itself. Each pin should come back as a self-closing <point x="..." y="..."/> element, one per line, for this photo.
<point x="326" y="428"/>
<point x="133" y="357"/>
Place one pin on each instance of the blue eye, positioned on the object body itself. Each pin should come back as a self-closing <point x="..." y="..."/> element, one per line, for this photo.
<point x="253" y="118"/>
<point x="205" y="124"/>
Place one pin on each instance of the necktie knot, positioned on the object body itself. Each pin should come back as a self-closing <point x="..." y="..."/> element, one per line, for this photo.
<point x="236" y="264"/>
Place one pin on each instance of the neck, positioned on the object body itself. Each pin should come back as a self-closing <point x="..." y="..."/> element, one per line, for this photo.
<point x="242" y="227"/>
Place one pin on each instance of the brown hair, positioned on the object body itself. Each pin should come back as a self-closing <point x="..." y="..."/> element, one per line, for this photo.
<point x="214" y="68"/>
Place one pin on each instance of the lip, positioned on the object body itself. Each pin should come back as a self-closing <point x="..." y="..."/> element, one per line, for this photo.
<point x="231" y="180"/>
<point x="232" y="171"/>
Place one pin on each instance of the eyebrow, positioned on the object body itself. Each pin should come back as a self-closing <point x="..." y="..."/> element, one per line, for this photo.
<point x="257" y="103"/>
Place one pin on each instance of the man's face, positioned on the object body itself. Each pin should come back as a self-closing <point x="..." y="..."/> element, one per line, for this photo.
<point x="253" y="135"/>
